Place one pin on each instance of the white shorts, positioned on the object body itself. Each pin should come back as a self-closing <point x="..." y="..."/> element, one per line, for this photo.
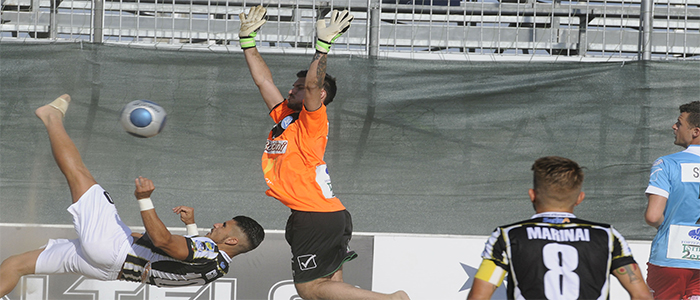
<point x="102" y="244"/>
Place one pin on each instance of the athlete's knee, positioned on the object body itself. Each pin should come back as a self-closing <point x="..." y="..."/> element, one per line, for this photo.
<point x="80" y="181"/>
<point x="316" y="289"/>
<point x="308" y="290"/>
<point x="22" y="264"/>
<point x="10" y="264"/>
<point x="303" y="290"/>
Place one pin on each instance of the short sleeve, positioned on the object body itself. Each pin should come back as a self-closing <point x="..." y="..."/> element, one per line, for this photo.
<point x="280" y="111"/>
<point x="621" y="252"/>
<point x="659" y="181"/>
<point x="495" y="249"/>
<point x="314" y="123"/>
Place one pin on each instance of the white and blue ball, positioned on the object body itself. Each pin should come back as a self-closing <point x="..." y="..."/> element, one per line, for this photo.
<point x="143" y="118"/>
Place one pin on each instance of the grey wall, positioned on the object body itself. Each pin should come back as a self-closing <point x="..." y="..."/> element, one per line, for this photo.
<point x="415" y="146"/>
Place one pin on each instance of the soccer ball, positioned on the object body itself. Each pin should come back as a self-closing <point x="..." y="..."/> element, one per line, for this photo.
<point x="142" y="118"/>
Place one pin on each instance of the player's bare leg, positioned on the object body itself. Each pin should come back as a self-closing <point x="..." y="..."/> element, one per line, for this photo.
<point x="333" y="288"/>
<point x="64" y="151"/>
<point x="14" y="267"/>
<point x="69" y="161"/>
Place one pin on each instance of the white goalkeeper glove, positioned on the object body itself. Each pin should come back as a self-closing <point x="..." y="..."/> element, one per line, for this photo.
<point x="340" y="22"/>
<point x="250" y="24"/>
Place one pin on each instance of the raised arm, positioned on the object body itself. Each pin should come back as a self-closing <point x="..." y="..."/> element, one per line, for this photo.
<point x="314" y="82"/>
<point x="187" y="216"/>
<point x="250" y="24"/>
<point x="174" y="245"/>
<point x="326" y="35"/>
<point x="631" y="279"/>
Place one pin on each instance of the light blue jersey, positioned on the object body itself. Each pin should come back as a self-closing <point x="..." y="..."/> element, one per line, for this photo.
<point x="677" y="178"/>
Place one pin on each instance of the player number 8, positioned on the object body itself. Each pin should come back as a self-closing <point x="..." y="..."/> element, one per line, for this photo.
<point x="560" y="281"/>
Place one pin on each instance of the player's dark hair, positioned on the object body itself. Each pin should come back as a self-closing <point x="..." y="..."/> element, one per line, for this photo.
<point x="693" y="110"/>
<point x="557" y="174"/>
<point x="253" y="231"/>
<point x="328" y="86"/>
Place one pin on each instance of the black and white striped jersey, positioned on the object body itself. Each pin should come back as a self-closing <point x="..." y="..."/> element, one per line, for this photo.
<point x="204" y="264"/>
<point x="557" y="256"/>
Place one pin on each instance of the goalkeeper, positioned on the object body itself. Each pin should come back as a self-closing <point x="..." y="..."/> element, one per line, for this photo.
<point x="319" y="227"/>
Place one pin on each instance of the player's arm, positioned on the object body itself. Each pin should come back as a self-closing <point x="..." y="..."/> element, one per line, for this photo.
<point x="654" y="214"/>
<point x="250" y="24"/>
<point x="631" y="279"/>
<point x="187" y="216"/>
<point x="325" y="36"/>
<point x="262" y="78"/>
<point x="486" y="281"/>
<point x="481" y="290"/>
<point x="314" y="82"/>
<point x="174" y="245"/>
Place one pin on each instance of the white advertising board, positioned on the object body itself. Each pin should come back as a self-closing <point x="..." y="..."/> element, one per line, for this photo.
<point x="430" y="267"/>
<point x="427" y="267"/>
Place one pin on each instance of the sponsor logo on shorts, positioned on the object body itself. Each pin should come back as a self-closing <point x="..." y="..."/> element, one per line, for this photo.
<point x="276" y="147"/>
<point x="211" y="274"/>
<point x="307" y="262"/>
<point x="109" y="198"/>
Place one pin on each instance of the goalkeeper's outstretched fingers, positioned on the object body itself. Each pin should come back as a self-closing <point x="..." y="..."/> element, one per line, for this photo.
<point x="250" y="24"/>
<point x="326" y="35"/>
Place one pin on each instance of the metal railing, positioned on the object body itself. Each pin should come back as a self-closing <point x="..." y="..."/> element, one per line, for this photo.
<point x="445" y="29"/>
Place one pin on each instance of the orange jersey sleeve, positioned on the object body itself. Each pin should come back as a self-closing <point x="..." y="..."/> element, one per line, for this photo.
<point x="293" y="162"/>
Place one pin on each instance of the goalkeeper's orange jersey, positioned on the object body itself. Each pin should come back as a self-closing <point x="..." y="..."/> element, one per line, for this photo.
<point x="293" y="160"/>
